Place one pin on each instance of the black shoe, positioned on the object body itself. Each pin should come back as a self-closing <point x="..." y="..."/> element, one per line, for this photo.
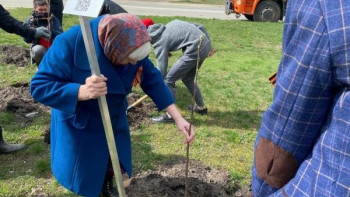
<point x="200" y="111"/>
<point x="108" y="190"/>
<point x="163" y="119"/>
<point x="8" y="148"/>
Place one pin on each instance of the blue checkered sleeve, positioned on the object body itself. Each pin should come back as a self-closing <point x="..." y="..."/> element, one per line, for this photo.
<point x="309" y="116"/>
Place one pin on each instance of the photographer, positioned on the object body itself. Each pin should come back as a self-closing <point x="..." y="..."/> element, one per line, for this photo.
<point x="42" y="18"/>
<point x="12" y="25"/>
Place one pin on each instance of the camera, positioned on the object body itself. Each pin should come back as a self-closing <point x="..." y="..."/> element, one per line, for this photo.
<point x="39" y="19"/>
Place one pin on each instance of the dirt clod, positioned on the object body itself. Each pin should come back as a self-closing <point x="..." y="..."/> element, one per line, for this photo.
<point x="17" y="99"/>
<point x="140" y="114"/>
<point x="18" y="56"/>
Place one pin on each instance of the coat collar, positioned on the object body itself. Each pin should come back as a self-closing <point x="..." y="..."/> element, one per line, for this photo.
<point x="106" y="68"/>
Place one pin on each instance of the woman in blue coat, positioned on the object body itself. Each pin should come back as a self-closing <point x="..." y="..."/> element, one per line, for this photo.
<point x="79" y="152"/>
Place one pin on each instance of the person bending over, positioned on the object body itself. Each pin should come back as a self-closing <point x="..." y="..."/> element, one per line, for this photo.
<point x="79" y="151"/>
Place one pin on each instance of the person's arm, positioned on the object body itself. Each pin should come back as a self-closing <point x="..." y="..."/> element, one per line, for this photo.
<point x="162" y="56"/>
<point x="181" y="123"/>
<point x="153" y="85"/>
<point x="28" y="39"/>
<point x="53" y="85"/>
<point x="12" y="25"/>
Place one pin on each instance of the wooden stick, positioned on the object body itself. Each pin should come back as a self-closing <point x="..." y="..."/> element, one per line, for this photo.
<point x="137" y="102"/>
<point x="191" y="122"/>
<point x="102" y="102"/>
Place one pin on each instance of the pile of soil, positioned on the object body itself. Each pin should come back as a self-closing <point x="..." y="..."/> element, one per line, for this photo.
<point x="16" y="99"/>
<point x="18" y="56"/>
<point x="169" y="180"/>
<point x="141" y="113"/>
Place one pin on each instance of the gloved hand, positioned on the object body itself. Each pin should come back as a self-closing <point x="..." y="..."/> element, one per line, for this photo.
<point x="42" y="32"/>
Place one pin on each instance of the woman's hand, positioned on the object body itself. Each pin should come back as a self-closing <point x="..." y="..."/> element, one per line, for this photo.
<point x="184" y="127"/>
<point x="93" y="88"/>
<point x="181" y="123"/>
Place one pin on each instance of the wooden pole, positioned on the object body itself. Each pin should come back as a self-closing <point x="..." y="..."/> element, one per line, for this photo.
<point x="192" y="104"/>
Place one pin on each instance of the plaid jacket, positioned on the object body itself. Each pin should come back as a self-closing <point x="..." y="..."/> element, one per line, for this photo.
<point x="303" y="144"/>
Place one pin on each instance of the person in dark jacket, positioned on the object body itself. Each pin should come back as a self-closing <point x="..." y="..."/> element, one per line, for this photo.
<point x="110" y="7"/>
<point x="56" y="7"/>
<point x="12" y="25"/>
<point x="42" y="17"/>
<point x="79" y="152"/>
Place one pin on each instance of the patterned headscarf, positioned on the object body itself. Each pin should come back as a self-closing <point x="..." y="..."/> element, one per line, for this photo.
<point x="120" y="35"/>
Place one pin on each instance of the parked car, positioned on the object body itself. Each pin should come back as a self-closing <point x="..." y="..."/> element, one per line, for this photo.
<point x="257" y="10"/>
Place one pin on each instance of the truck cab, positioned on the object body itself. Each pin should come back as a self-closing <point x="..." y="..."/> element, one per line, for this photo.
<point x="257" y="10"/>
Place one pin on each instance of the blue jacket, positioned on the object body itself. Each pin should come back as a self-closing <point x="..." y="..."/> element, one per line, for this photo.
<point x="79" y="152"/>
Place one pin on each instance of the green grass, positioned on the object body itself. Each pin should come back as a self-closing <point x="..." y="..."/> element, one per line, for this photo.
<point x="235" y="88"/>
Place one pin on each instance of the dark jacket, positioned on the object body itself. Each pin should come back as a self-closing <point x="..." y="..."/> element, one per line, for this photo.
<point x="12" y="25"/>
<point x="56" y="7"/>
<point x="55" y="28"/>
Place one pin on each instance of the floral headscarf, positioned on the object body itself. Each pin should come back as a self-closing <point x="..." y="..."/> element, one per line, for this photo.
<point x="120" y="35"/>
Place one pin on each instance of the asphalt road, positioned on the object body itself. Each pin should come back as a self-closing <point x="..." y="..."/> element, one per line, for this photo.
<point x="154" y="7"/>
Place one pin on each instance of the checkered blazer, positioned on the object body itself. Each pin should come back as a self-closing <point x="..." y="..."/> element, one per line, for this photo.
<point x="309" y="120"/>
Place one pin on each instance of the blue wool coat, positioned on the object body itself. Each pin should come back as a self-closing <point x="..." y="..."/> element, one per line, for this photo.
<point x="79" y="152"/>
<point x="303" y="145"/>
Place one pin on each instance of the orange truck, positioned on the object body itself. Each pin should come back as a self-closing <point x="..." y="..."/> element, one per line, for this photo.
<point x="257" y="10"/>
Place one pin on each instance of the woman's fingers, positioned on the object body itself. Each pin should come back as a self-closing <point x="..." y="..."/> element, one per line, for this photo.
<point x="96" y="86"/>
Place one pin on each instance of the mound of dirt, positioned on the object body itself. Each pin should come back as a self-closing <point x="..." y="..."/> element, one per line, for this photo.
<point x="169" y="180"/>
<point x="17" y="99"/>
<point x="14" y="55"/>
<point x="140" y="114"/>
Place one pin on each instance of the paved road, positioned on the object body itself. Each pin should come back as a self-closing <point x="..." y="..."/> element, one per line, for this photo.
<point x="154" y="7"/>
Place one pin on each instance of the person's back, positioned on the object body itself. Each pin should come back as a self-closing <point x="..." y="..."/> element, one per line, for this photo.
<point x="176" y="35"/>
<point x="185" y="36"/>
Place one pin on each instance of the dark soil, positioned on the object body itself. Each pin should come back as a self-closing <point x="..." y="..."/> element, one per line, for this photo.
<point x="16" y="99"/>
<point x="169" y="180"/>
<point x="18" y="56"/>
<point x="140" y="114"/>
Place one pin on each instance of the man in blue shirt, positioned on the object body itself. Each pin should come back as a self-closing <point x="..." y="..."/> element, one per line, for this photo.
<point x="303" y="145"/>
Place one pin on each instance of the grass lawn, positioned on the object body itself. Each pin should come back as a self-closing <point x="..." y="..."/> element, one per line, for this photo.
<point x="235" y="86"/>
